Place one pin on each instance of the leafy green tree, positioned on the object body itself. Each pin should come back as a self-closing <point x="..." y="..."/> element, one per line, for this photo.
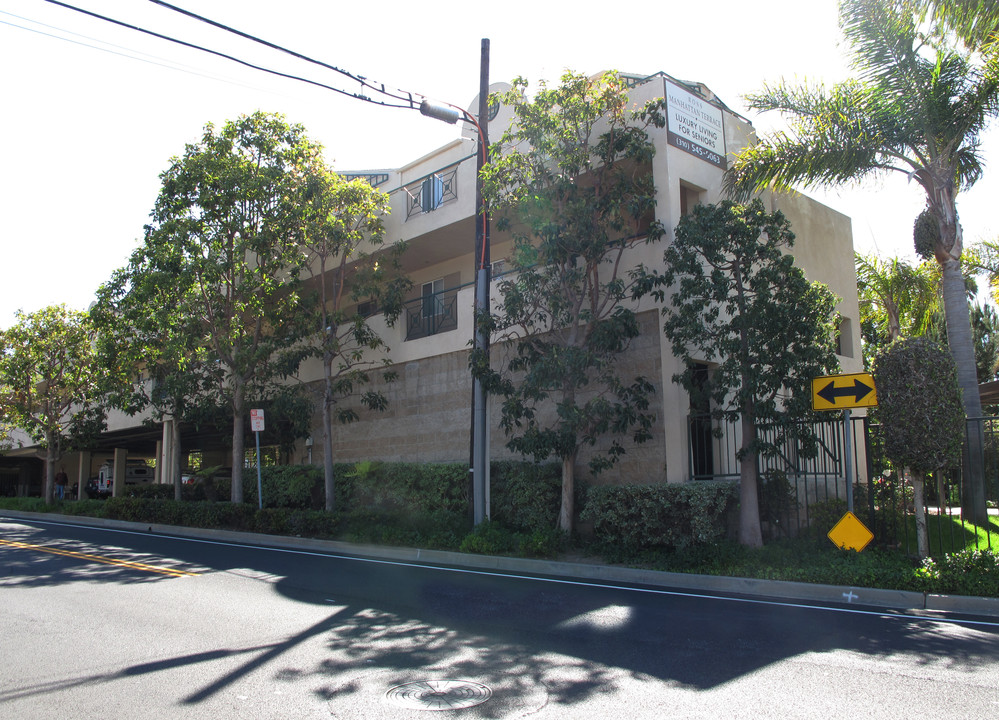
<point x="49" y="380"/>
<point x="571" y="181"/>
<point x="142" y="332"/>
<point x="346" y="218"/>
<point x="229" y="223"/>
<point x="736" y="299"/>
<point x="919" y="405"/>
<point x="917" y="107"/>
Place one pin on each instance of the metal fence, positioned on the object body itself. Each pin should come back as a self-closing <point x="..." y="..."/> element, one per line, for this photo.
<point x="803" y="484"/>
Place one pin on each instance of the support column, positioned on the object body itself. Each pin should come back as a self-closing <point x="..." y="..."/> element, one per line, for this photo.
<point x="165" y="452"/>
<point x="158" y="470"/>
<point x="82" y="474"/>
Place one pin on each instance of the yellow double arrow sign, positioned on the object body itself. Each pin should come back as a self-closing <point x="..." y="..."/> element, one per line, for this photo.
<point x="840" y="392"/>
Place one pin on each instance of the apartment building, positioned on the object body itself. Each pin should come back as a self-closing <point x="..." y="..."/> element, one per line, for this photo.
<point x="433" y="208"/>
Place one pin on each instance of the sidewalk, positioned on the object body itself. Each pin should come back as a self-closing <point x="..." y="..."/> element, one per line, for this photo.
<point x="868" y="598"/>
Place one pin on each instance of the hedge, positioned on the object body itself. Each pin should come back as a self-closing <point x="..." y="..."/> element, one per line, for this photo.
<point x="663" y="516"/>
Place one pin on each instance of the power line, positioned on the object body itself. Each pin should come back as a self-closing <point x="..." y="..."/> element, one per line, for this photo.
<point x="130" y="53"/>
<point x="363" y="81"/>
<point x="410" y="104"/>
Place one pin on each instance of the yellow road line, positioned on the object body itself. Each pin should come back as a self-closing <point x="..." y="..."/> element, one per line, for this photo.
<point x="98" y="558"/>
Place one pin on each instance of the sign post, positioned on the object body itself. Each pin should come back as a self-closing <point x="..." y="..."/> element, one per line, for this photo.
<point x="844" y="392"/>
<point x="257" y="425"/>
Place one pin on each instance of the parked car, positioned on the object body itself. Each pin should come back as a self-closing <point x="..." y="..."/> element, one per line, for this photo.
<point x="137" y="472"/>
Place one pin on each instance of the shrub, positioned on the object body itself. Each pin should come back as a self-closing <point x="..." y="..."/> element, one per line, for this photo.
<point x="525" y="496"/>
<point x="823" y="515"/>
<point x="660" y="516"/>
<point x="492" y="538"/>
<point x="297" y="487"/>
<point x="407" y="488"/>
<point x="967" y="572"/>
<point x="440" y="529"/>
<point x="777" y="503"/>
<point x="152" y="492"/>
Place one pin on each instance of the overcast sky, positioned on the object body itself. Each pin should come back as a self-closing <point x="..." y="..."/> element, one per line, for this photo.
<point x="92" y="112"/>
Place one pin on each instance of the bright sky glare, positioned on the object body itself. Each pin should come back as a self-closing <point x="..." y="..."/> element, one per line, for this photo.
<point x="92" y="113"/>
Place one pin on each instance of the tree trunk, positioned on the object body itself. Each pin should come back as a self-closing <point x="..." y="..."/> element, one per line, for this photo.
<point x="238" y="448"/>
<point x="328" y="478"/>
<point x="922" y="537"/>
<point x="51" y="459"/>
<point x="750" y="532"/>
<point x="566" y="511"/>
<point x="962" y="349"/>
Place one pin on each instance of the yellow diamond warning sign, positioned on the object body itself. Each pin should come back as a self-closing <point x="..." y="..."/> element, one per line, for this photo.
<point x="850" y="534"/>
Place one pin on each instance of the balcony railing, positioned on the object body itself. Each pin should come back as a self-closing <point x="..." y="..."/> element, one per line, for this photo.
<point x="431" y="314"/>
<point x="429" y="193"/>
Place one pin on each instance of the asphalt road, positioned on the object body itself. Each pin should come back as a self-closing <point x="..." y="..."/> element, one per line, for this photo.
<point x="108" y="624"/>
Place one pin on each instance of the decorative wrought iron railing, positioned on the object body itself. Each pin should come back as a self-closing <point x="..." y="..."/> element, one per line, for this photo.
<point x="801" y="485"/>
<point x="430" y="192"/>
<point x="431" y="314"/>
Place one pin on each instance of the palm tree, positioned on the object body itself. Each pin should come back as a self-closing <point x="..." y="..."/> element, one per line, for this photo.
<point x="896" y="297"/>
<point x="975" y="22"/>
<point x="916" y="107"/>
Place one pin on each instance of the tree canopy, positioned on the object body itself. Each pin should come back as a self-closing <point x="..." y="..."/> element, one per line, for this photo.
<point x="736" y="302"/>
<point x="344" y="227"/>
<point x="570" y="179"/>
<point x="49" y="380"/>
<point x="919" y="405"/>
<point x="228" y="224"/>
<point x="917" y="107"/>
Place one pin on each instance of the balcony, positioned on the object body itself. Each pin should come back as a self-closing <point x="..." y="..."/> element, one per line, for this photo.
<point x="432" y="191"/>
<point x="432" y="313"/>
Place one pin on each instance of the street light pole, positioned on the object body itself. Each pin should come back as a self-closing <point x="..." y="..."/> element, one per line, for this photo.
<point x="480" y="424"/>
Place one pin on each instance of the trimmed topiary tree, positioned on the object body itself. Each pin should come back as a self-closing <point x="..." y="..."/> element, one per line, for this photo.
<point x="919" y="403"/>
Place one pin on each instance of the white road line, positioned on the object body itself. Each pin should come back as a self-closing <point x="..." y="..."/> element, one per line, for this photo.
<point x="901" y="615"/>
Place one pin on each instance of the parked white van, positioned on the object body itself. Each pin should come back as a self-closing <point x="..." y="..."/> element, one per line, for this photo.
<point x="136" y="472"/>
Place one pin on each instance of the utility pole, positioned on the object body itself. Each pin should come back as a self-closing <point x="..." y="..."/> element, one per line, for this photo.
<point x="480" y="340"/>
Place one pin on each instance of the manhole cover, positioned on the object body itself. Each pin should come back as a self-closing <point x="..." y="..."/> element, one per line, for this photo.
<point x="438" y="695"/>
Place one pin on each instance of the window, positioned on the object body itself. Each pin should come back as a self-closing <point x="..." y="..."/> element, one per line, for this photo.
<point x="702" y="458"/>
<point x="433" y="307"/>
<point x="269" y="455"/>
<point x="690" y="197"/>
<point x="433" y="303"/>
<point x="844" y="338"/>
<point x="432" y="193"/>
<point x="367" y="308"/>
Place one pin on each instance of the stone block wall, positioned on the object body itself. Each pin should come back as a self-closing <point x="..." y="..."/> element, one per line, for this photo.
<point x="428" y="418"/>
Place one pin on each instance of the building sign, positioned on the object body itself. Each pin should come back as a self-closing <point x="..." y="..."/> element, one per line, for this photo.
<point x="694" y="125"/>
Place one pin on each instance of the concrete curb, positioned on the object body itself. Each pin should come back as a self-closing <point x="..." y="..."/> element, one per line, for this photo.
<point x="680" y="582"/>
